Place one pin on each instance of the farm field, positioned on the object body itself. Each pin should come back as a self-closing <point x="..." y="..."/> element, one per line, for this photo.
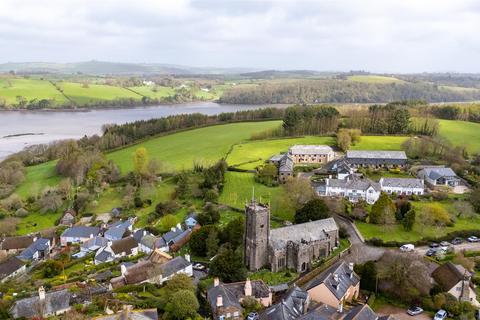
<point x="239" y="187"/>
<point x="95" y="92"/>
<point x="36" y="221"/>
<point x="30" y="89"/>
<point x="37" y="178"/>
<point x="157" y="92"/>
<point x="180" y="150"/>
<point x="251" y="154"/>
<point x="374" y="79"/>
<point x="461" y="133"/>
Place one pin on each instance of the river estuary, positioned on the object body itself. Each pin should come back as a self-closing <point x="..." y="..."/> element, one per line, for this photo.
<point x="19" y="129"/>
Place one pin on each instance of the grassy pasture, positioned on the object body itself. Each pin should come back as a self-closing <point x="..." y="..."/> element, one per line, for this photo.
<point x="238" y="190"/>
<point x="461" y="133"/>
<point x="95" y="92"/>
<point x="374" y="79"/>
<point x="37" y="178"/>
<point x="179" y="151"/>
<point x="157" y="92"/>
<point x="30" y="89"/>
<point x="36" y="221"/>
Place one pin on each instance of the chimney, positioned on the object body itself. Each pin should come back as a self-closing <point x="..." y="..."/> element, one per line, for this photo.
<point x="219" y="301"/>
<point x="179" y="227"/>
<point x="144" y="232"/>
<point x="123" y="269"/>
<point x="340" y="307"/>
<point x="216" y="282"/>
<point x="91" y="235"/>
<point x="173" y="229"/>
<point x="187" y="257"/>
<point x="335" y="277"/>
<point x="41" y="293"/>
<point x="350" y="266"/>
<point x="248" y="288"/>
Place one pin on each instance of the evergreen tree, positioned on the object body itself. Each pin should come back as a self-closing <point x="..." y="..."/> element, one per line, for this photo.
<point x="383" y="210"/>
<point x="409" y="220"/>
<point x="314" y="209"/>
<point x="228" y="265"/>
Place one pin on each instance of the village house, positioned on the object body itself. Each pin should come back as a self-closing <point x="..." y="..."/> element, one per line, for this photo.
<point x="340" y="168"/>
<point x="376" y="158"/>
<point x="335" y="286"/>
<point x="68" y="218"/>
<point x="11" y="268"/>
<point x="44" y="305"/>
<point x="126" y="247"/>
<point x="293" y="305"/>
<point x="359" y="312"/>
<point x="291" y="247"/>
<point x="457" y="281"/>
<point x="147" y="243"/>
<point x="354" y="188"/>
<point x="38" y="250"/>
<point x="14" y="245"/>
<point x="438" y="176"/>
<point x="148" y="271"/>
<point x="225" y="299"/>
<point x="119" y="230"/>
<point x="402" y="186"/>
<point x="78" y="234"/>
<point x="311" y="154"/>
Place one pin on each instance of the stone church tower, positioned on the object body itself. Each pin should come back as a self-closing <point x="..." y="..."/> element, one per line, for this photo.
<point x="257" y="232"/>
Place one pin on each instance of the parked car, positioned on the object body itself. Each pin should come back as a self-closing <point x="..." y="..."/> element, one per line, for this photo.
<point x="440" y="315"/>
<point x="199" y="266"/>
<point x="457" y="241"/>
<point x="407" y="247"/>
<point x="444" y="244"/>
<point x="430" y="252"/>
<point x="413" y="311"/>
<point x="473" y="239"/>
<point x="433" y="245"/>
<point x="253" y="316"/>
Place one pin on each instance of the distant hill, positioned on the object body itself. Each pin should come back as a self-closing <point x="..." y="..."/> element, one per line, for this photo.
<point x="113" y="68"/>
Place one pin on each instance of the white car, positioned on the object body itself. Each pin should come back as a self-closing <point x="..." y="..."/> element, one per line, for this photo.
<point x="440" y="315"/>
<point x="473" y="239"/>
<point x="413" y="311"/>
<point x="407" y="247"/>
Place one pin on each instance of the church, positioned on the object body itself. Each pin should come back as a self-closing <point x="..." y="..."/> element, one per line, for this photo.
<point x="292" y="247"/>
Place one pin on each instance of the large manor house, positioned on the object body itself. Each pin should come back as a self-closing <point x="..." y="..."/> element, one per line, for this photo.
<point x="291" y="247"/>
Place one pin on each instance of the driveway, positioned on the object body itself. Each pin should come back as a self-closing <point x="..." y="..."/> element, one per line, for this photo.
<point x="401" y="314"/>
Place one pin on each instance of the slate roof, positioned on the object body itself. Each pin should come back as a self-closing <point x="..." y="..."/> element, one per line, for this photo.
<point x="124" y="245"/>
<point x="173" y="266"/>
<point x="326" y="312"/>
<point x="41" y="244"/>
<point x="103" y="256"/>
<point x="81" y="232"/>
<point x="361" y="312"/>
<point x="139" y="234"/>
<point x="171" y="235"/>
<point x="9" y="266"/>
<point x="448" y="275"/>
<point x="292" y="306"/>
<point x="147" y="314"/>
<point x="346" y="279"/>
<point x="338" y="165"/>
<point x="16" y="243"/>
<point x="54" y="301"/>
<point x="115" y="233"/>
<point x="308" y="231"/>
<point x="353" y="183"/>
<point x="286" y="164"/>
<point x="402" y="182"/>
<point x="229" y="299"/>
<point x="376" y="154"/>
<point x="94" y="243"/>
<point x="434" y="173"/>
<point x="149" y="241"/>
<point x="277" y="157"/>
<point x="310" y="149"/>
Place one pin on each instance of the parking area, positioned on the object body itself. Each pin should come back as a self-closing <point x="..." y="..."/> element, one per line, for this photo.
<point x="401" y="314"/>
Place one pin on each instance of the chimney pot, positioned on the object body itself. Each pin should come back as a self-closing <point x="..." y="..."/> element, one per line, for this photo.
<point x="216" y="281"/>
<point x="248" y="288"/>
<point x="219" y="301"/>
<point x="41" y="293"/>
<point x="187" y="257"/>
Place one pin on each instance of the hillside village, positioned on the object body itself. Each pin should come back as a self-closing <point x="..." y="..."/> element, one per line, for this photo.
<point x="349" y="233"/>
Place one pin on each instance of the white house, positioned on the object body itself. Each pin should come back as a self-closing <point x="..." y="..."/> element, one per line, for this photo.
<point x="126" y="247"/>
<point x="353" y="188"/>
<point x="438" y="176"/>
<point x="11" y="268"/>
<point x="402" y="186"/>
<point x="78" y="234"/>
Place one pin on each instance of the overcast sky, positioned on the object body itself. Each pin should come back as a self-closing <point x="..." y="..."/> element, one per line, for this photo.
<point x="340" y="35"/>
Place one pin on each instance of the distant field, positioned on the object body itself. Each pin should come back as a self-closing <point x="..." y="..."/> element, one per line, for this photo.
<point x="180" y="150"/>
<point x="374" y="79"/>
<point x="156" y="92"/>
<point x="461" y="133"/>
<point x="95" y="92"/>
<point x="252" y="154"/>
<point x="30" y="89"/>
<point x="459" y="89"/>
<point x="238" y="190"/>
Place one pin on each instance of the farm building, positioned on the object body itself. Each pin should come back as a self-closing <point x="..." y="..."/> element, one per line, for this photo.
<point x="367" y="158"/>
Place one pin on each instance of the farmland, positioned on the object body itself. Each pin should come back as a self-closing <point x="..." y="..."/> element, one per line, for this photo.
<point x="461" y="133"/>
<point x="374" y="79"/>
<point x="30" y="89"/>
<point x="87" y="94"/>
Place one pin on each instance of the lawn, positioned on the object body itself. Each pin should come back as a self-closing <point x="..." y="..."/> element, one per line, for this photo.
<point x="273" y="278"/>
<point x="397" y="233"/>
<point x="251" y="154"/>
<point x="239" y="188"/>
<point x="36" y="221"/>
<point x="180" y="150"/>
<point x="37" y="178"/>
<point x="106" y="201"/>
<point x="155" y="92"/>
<point x="95" y="92"/>
<point x="30" y="89"/>
<point x="461" y="133"/>
<point x="374" y="79"/>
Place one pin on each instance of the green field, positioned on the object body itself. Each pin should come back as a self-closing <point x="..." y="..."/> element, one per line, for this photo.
<point x="37" y="178"/>
<point x="95" y="92"/>
<point x="374" y="79"/>
<point x="239" y="188"/>
<point x="205" y="145"/>
<point x="30" y="89"/>
<point x="250" y="155"/>
<point x="461" y="133"/>
<point x="157" y="92"/>
<point x="36" y="221"/>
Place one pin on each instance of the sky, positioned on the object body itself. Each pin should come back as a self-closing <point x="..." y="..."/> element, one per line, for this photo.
<point x="329" y="35"/>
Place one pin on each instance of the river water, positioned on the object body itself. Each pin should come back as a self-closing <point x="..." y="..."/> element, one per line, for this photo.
<point x="45" y="126"/>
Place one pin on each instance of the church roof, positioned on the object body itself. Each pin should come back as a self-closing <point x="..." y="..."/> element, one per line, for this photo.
<point x="309" y="231"/>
